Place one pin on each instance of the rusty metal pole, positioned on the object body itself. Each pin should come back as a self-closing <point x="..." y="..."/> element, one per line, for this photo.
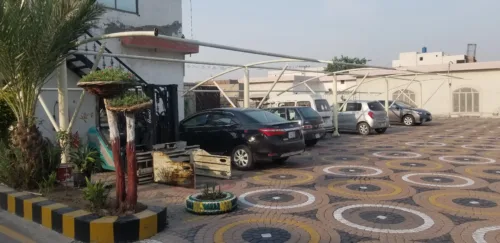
<point x="114" y="136"/>
<point x="131" y="161"/>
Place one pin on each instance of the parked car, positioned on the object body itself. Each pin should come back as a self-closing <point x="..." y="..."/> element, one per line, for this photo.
<point x="247" y="135"/>
<point x="409" y="115"/>
<point x="311" y="122"/>
<point x="363" y="117"/>
<point x="316" y="102"/>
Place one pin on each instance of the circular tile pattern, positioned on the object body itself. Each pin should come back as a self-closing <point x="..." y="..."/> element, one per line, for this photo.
<point x="461" y="203"/>
<point x="482" y="171"/>
<point x="415" y="165"/>
<point x="291" y="200"/>
<point x="285" y="177"/>
<point x="439" y="180"/>
<point x="247" y="229"/>
<point x="367" y="189"/>
<point x="466" y="159"/>
<point x="387" y="221"/>
<point x="446" y="136"/>
<point x="397" y="155"/>
<point x="493" y="139"/>
<point x="477" y="232"/>
<point x="444" y="151"/>
<point x="266" y="235"/>
<point x="354" y="171"/>
<point x="495" y="186"/>
<point x="425" y="144"/>
<point x="489" y="147"/>
<point x="343" y="158"/>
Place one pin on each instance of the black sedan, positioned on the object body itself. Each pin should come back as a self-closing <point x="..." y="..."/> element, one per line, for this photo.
<point x="248" y="135"/>
<point x="311" y="121"/>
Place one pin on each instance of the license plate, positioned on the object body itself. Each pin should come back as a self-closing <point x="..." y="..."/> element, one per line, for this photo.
<point x="291" y="135"/>
<point x="317" y="135"/>
<point x="382" y="124"/>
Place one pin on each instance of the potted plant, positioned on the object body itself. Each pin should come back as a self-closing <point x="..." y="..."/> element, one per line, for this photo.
<point x="85" y="160"/>
<point x="211" y="201"/>
<point x="128" y="102"/>
<point x="107" y="83"/>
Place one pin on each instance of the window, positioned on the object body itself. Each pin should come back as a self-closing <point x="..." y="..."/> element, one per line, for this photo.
<point x="322" y="105"/>
<point x="353" y="107"/>
<point x="304" y="103"/>
<point x="279" y="112"/>
<point x="122" y="5"/>
<point x="406" y="96"/>
<point x="421" y="58"/>
<point x="309" y="113"/>
<point x="287" y="104"/>
<point x="198" y="120"/>
<point x="375" y="106"/>
<point x="219" y="119"/>
<point x="263" y="117"/>
<point x="465" y="100"/>
<point x="292" y="115"/>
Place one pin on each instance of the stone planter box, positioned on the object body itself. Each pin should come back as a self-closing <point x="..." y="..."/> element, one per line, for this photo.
<point x="224" y="205"/>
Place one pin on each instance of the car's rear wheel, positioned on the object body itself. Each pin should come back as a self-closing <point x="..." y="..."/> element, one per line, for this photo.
<point x="363" y="128"/>
<point x="280" y="160"/>
<point x="408" y="120"/>
<point x="311" y="142"/>
<point x="242" y="158"/>
<point x="381" y="130"/>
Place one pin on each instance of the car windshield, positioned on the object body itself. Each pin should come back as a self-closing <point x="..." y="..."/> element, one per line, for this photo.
<point x="308" y="113"/>
<point x="263" y="117"/>
<point x="375" y="106"/>
<point x="322" y="105"/>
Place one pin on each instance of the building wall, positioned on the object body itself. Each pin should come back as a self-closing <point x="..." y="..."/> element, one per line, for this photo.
<point x="409" y="59"/>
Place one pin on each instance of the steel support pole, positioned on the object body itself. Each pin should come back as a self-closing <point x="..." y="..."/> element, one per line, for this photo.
<point x="387" y="97"/>
<point x="309" y="88"/>
<point x="335" y="108"/>
<point x="272" y="86"/>
<point x="223" y="93"/>
<point x="62" y="92"/>
<point x="404" y="89"/>
<point x="246" y="87"/>
<point x="354" y="91"/>
<point x="421" y="96"/>
<point x="49" y="114"/>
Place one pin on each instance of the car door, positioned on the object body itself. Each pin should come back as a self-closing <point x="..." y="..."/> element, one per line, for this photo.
<point x="190" y="130"/>
<point x="351" y="115"/>
<point x="341" y="117"/>
<point x="395" y="113"/>
<point x="221" y="131"/>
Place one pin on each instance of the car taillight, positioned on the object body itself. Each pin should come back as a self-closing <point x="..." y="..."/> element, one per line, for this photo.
<point x="306" y="127"/>
<point x="370" y="114"/>
<point x="272" y="132"/>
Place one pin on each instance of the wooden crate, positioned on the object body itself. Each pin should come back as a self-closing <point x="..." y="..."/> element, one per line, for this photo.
<point x="211" y="165"/>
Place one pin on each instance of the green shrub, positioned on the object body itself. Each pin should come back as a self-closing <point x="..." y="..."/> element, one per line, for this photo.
<point x="7" y="118"/>
<point x="48" y="184"/>
<point x="86" y="159"/>
<point x="129" y="98"/>
<point x="96" y="194"/>
<point x="109" y="74"/>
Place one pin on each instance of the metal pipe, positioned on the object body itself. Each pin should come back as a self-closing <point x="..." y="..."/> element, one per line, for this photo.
<point x="421" y="95"/>
<point x="272" y="86"/>
<point x="49" y="114"/>
<point x="352" y="93"/>
<point x="186" y="61"/>
<point x="335" y="108"/>
<point x="246" y="87"/>
<point x="223" y="93"/>
<point x="310" y="89"/>
<point x="404" y="89"/>
<point x="387" y="97"/>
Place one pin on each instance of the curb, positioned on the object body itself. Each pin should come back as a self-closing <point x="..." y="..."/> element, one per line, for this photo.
<point x="82" y="225"/>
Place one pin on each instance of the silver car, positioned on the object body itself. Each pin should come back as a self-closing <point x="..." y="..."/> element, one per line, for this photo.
<point x="363" y="116"/>
<point x="407" y="114"/>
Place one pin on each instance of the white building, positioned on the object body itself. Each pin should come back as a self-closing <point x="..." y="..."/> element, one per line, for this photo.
<point x="124" y="15"/>
<point x="473" y="92"/>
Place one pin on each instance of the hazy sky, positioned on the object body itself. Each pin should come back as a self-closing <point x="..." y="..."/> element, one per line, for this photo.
<point x="376" y="29"/>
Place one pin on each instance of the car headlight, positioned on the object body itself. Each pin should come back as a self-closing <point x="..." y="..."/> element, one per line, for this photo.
<point x="419" y="112"/>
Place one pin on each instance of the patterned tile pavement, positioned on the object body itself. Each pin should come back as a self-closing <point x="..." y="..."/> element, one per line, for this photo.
<point x="439" y="182"/>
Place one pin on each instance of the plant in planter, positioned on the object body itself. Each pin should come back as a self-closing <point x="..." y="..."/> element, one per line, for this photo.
<point x="85" y="160"/>
<point x="211" y="200"/>
<point x="107" y="83"/>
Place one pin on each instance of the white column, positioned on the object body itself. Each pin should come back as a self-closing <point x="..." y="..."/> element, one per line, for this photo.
<point x="335" y="107"/>
<point x="246" y="89"/>
<point x="62" y="92"/>
<point x="387" y="96"/>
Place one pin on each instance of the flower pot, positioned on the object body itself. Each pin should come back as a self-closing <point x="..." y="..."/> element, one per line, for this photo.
<point x="132" y="109"/>
<point x="223" y="205"/>
<point x="79" y="180"/>
<point x="106" y="89"/>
